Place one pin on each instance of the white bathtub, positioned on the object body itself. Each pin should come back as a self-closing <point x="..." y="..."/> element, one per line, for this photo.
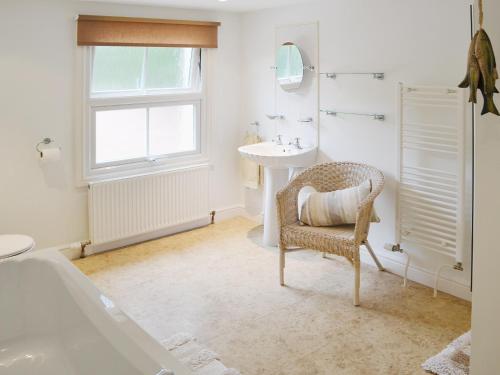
<point x="54" y="321"/>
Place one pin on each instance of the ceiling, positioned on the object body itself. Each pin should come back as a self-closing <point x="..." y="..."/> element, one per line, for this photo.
<point x="228" y="5"/>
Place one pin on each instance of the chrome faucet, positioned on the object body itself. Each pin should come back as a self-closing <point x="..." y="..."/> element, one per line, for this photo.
<point x="278" y="140"/>
<point x="296" y="143"/>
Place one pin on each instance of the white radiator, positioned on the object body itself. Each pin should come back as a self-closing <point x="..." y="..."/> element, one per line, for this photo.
<point x="431" y="192"/>
<point x="131" y="210"/>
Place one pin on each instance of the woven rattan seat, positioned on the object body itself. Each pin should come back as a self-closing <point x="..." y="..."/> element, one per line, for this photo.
<point x="342" y="240"/>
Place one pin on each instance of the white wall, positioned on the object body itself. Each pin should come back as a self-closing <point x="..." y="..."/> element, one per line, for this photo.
<point x="415" y="42"/>
<point x="38" y="74"/>
<point x="485" y="296"/>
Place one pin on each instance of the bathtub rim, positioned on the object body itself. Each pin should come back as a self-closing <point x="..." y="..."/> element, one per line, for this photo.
<point x="104" y="309"/>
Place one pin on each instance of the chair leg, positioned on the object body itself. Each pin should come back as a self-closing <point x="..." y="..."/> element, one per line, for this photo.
<point x="372" y="253"/>
<point x="282" y="266"/>
<point x="357" y="279"/>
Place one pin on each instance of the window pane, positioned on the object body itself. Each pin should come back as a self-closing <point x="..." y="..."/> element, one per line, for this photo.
<point x="120" y="134"/>
<point x="117" y="68"/>
<point x="172" y="129"/>
<point x="168" y="68"/>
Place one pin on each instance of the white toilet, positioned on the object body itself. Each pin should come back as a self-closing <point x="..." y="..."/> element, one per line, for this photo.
<point x="15" y="244"/>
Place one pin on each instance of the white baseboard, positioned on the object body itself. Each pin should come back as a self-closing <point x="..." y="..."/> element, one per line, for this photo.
<point x="67" y="250"/>
<point x="235" y="211"/>
<point x="221" y="214"/>
<point x="94" y="249"/>
<point x="257" y="218"/>
<point x="70" y="252"/>
<point x="227" y="213"/>
<point x="420" y="275"/>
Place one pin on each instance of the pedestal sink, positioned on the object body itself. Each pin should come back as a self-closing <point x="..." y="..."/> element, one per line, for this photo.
<point x="277" y="161"/>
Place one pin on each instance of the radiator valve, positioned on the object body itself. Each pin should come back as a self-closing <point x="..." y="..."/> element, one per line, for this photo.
<point x="395" y="248"/>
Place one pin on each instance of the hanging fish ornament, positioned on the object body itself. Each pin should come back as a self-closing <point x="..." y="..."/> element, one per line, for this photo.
<point x="482" y="70"/>
<point x="472" y="77"/>
<point x="487" y="64"/>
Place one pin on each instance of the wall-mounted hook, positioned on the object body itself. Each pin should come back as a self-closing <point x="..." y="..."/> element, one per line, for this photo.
<point x="275" y="117"/>
<point x="305" y="120"/>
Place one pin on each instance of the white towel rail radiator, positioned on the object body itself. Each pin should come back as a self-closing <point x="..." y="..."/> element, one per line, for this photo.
<point x="431" y="170"/>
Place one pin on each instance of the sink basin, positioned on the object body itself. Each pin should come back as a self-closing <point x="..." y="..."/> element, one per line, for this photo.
<point x="277" y="160"/>
<point x="269" y="154"/>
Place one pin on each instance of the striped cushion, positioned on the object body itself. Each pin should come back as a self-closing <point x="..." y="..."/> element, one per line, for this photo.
<point x="332" y="208"/>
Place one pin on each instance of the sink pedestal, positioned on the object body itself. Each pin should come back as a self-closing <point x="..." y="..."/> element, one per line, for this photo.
<point x="274" y="180"/>
<point x="277" y="161"/>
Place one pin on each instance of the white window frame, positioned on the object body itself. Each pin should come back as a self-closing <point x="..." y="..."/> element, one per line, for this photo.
<point x="91" y="172"/>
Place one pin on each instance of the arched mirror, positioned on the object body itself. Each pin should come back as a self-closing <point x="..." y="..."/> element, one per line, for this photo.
<point x="290" y="67"/>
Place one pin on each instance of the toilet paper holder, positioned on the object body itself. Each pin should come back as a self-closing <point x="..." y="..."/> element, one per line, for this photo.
<point x="45" y="141"/>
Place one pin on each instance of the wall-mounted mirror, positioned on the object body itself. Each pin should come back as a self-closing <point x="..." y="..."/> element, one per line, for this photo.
<point x="290" y="67"/>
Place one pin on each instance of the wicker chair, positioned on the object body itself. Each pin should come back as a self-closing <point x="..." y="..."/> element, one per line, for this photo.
<point x="342" y="240"/>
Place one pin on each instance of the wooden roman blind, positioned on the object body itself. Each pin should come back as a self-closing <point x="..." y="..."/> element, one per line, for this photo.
<point x="148" y="32"/>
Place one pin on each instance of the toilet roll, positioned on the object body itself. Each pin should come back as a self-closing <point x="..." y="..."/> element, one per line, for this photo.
<point x="48" y="155"/>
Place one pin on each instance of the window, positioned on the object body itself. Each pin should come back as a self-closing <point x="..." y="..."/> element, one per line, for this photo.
<point x="144" y="108"/>
<point x="138" y="69"/>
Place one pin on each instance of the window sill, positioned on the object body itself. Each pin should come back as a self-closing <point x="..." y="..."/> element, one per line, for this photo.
<point x="102" y="176"/>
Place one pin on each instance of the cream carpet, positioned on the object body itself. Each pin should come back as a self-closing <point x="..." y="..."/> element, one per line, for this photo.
<point x="220" y="285"/>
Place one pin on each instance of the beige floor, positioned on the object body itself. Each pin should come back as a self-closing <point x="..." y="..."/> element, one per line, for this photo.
<point x="220" y="285"/>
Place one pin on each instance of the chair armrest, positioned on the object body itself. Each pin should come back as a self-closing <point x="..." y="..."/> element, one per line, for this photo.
<point x="362" y="222"/>
<point x="365" y="209"/>
<point x="286" y="203"/>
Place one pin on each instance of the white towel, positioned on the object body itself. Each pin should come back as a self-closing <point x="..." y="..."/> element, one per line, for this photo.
<point x="454" y="360"/>
<point x="199" y="359"/>
<point x="251" y="171"/>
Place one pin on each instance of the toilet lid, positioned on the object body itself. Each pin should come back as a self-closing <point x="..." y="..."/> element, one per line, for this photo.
<point x="13" y="244"/>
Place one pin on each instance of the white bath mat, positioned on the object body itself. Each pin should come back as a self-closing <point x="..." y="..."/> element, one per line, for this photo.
<point x="199" y="359"/>
<point x="454" y="360"/>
